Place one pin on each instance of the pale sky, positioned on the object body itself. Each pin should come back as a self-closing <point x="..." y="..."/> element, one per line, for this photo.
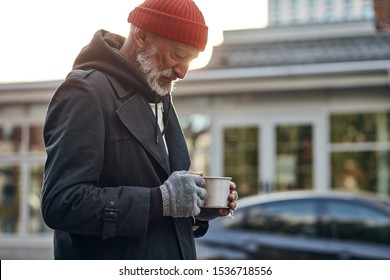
<point x="41" y="38"/>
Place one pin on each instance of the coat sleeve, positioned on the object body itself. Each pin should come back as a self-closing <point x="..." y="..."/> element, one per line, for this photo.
<point x="72" y="201"/>
<point x="200" y="228"/>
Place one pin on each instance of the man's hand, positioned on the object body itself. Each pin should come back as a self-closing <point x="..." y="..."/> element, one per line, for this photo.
<point x="182" y="194"/>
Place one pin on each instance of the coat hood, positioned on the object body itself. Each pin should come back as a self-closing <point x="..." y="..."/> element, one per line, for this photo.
<point x="103" y="54"/>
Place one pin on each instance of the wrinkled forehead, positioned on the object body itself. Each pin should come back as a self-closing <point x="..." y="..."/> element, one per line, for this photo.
<point x="177" y="46"/>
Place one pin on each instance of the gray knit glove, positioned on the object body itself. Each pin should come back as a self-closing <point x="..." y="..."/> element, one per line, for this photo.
<point x="182" y="194"/>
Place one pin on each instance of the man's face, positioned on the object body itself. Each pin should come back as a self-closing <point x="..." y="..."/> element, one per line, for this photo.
<point x="161" y="81"/>
<point x="164" y="62"/>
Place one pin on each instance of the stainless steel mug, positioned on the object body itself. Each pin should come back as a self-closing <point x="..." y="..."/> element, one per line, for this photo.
<point x="218" y="190"/>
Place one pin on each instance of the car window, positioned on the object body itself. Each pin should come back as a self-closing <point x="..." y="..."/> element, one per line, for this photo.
<point x="235" y="221"/>
<point x="354" y="221"/>
<point x="287" y="217"/>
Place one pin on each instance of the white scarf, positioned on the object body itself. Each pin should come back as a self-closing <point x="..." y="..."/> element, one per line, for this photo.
<point x="160" y="110"/>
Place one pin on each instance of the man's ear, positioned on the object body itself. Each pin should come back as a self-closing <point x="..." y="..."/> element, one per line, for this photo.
<point x="140" y="37"/>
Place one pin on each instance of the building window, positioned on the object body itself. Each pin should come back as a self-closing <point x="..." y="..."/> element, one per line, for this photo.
<point x="360" y="151"/>
<point x="294" y="11"/>
<point x="36" y="144"/>
<point x="312" y="11"/>
<point x="241" y="160"/>
<point x="367" y="12"/>
<point x="10" y="138"/>
<point x="294" y="162"/>
<point x="197" y="132"/>
<point x="9" y="197"/>
<point x="330" y="15"/>
<point x="36" y="224"/>
<point x="348" y="10"/>
<point x="348" y="14"/>
<point x="22" y="156"/>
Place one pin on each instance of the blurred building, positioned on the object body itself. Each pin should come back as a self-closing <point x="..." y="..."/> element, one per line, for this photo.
<point x="23" y="106"/>
<point x="301" y="104"/>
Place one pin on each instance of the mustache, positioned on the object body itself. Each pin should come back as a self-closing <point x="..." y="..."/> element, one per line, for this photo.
<point x="168" y="73"/>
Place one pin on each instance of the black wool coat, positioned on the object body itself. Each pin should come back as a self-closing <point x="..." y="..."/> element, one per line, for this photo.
<point x="102" y="161"/>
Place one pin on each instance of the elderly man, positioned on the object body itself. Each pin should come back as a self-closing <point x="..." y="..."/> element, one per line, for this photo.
<point x="116" y="182"/>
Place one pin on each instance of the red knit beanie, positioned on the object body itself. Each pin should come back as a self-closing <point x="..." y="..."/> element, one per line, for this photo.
<point x="178" y="20"/>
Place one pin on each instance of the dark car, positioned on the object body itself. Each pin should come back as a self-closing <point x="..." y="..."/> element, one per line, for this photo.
<point x="301" y="225"/>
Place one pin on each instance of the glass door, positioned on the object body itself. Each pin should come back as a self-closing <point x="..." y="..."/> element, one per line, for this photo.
<point x="278" y="154"/>
<point x="295" y="152"/>
<point x="294" y="157"/>
<point x="241" y="157"/>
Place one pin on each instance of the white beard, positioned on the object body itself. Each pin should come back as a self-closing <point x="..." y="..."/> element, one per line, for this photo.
<point x="148" y="67"/>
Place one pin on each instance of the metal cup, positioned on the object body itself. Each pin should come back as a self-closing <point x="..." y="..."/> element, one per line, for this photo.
<point x="218" y="190"/>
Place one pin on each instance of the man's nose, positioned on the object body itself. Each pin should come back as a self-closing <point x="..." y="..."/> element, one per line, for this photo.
<point x="181" y="69"/>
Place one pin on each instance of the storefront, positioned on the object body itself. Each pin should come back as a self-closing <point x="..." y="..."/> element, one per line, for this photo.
<point x="333" y="139"/>
<point x="296" y="111"/>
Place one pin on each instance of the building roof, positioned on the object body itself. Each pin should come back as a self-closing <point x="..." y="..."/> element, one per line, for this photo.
<point x="299" y="45"/>
<point x="305" y="57"/>
<point x="359" y="48"/>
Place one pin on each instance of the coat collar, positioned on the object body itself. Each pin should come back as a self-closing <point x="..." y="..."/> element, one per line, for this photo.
<point x="177" y="146"/>
<point x="136" y="115"/>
